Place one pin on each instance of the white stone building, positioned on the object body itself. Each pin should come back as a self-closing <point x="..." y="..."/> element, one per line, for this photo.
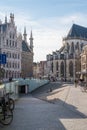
<point x="83" y="73"/>
<point x="65" y="63"/>
<point x="10" y="44"/>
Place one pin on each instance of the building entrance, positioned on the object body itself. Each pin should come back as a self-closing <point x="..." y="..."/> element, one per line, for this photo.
<point x="21" y="89"/>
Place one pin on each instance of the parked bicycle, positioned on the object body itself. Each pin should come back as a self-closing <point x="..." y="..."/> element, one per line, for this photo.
<point x="9" y="101"/>
<point x="83" y="86"/>
<point x="6" y="114"/>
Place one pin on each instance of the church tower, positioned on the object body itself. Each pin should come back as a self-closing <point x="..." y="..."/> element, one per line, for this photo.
<point x="25" y="35"/>
<point x="31" y="41"/>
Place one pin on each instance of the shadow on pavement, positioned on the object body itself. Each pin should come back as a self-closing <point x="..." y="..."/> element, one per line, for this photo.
<point x="69" y="107"/>
<point x="46" y="88"/>
<point x="43" y="96"/>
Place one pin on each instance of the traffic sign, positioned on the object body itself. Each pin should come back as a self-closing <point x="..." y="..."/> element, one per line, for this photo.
<point x="2" y="58"/>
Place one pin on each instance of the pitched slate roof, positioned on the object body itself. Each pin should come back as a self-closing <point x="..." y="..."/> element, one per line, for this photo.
<point x="77" y="31"/>
<point x="25" y="47"/>
<point x="61" y="49"/>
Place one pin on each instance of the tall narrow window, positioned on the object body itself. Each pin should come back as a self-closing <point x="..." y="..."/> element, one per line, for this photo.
<point x="15" y="44"/>
<point x="13" y="36"/>
<point x="62" y="69"/>
<point x="10" y="34"/>
<point x="77" y="45"/>
<point x="10" y="43"/>
<point x="7" y="42"/>
<point x="57" y="66"/>
<point x="52" y="66"/>
<point x="72" y="47"/>
<point x="71" y="69"/>
<point x="18" y="56"/>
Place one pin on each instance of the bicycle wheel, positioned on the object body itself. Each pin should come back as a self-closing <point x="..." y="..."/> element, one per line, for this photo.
<point x="11" y="104"/>
<point x="6" y="117"/>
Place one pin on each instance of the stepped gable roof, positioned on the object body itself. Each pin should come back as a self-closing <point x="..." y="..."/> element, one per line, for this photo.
<point x="3" y="26"/>
<point x="25" y="47"/>
<point x="77" y="31"/>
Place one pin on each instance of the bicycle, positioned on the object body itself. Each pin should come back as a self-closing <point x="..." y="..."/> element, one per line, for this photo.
<point x="9" y="101"/>
<point x="83" y="87"/>
<point x="6" y="114"/>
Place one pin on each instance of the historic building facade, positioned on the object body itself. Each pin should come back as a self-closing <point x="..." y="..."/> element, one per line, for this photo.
<point x="40" y="69"/>
<point x="10" y="44"/>
<point x="65" y="63"/>
<point x="27" y="56"/>
<point x="19" y="53"/>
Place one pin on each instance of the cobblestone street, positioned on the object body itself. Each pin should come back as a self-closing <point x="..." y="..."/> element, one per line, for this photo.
<point x="62" y="109"/>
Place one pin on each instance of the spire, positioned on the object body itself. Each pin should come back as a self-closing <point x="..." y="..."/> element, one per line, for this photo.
<point x="31" y="41"/>
<point x="31" y="34"/>
<point x="25" y="34"/>
<point x="12" y="17"/>
<point x="24" y="30"/>
<point x="5" y="19"/>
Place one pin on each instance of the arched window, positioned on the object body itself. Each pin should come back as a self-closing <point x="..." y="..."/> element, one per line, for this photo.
<point x="82" y="46"/>
<point x="57" y="65"/>
<point x="7" y="42"/>
<point x="13" y="36"/>
<point x="71" y="69"/>
<point x="62" y="69"/>
<point x="72" y="47"/>
<point x="77" y="45"/>
<point x="10" y="34"/>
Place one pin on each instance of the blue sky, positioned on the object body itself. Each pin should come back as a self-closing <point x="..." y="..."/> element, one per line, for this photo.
<point x="50" y="20"/>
